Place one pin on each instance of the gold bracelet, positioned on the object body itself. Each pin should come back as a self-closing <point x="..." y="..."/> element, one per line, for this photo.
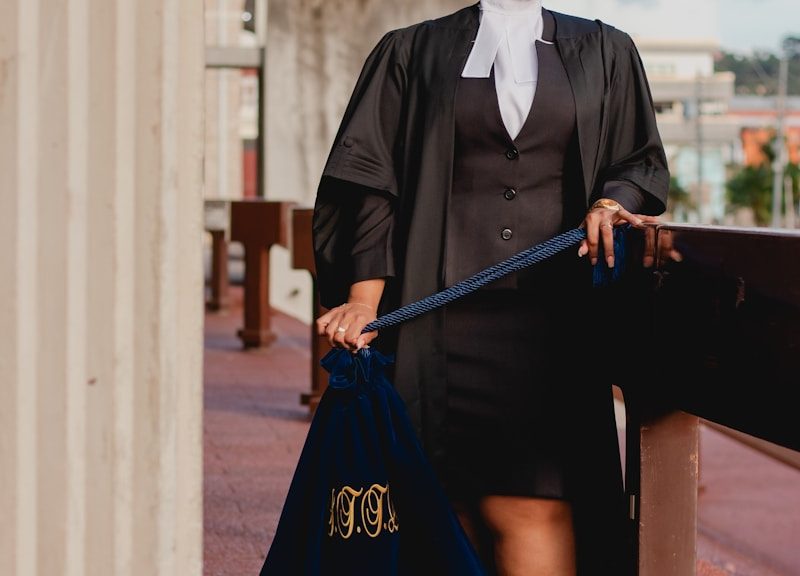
<point x="362" y="304"/>
<point x="606" y="203"/>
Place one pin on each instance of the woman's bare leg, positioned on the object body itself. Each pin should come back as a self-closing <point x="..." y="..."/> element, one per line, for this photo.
<point x="476" y="531"/>
<point x="531" y="536"/>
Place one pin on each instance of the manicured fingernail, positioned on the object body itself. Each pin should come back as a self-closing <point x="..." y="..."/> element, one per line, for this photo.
<point x="594" y="261"/>
<point x="639" y="222"/>
<point x="610" y="261"/>
<point x="582" y="251"/>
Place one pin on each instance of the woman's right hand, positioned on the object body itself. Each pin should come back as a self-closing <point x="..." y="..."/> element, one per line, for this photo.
<point x="344" y="323"/>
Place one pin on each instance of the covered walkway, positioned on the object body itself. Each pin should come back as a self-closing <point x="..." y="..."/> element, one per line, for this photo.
<point x="254" y="427"/>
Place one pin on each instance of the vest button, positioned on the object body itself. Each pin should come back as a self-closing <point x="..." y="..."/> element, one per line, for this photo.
<point x="512" y="153"/>
<point x="509" y="193"/>
<point x="506" y="234"/>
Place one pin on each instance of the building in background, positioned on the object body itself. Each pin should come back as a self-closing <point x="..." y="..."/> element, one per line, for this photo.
<point x="757" y="117"/>
<point x="231" y="104"/>
<point x="677" y="41"/>
<point x="700" y="138"/>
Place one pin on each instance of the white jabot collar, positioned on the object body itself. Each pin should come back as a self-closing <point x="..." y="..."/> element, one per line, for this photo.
<point x="518" y="22"/>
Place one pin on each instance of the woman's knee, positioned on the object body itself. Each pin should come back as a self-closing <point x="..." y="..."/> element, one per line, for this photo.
<point x="514" y="514"/>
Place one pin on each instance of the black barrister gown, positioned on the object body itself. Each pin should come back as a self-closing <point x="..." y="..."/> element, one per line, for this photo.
<point x="397" y="139"/>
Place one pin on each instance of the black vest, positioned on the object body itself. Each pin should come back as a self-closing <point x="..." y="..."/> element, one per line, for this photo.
<point x="508" y="195"/>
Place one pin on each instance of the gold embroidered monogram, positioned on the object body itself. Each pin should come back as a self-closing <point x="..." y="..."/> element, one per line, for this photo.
<point x="368" y="510"/>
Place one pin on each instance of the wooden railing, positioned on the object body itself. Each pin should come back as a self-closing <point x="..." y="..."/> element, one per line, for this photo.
<point x="721" y="314"/>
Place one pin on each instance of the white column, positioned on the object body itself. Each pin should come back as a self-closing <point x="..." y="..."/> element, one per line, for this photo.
<point x="101" y="135"/>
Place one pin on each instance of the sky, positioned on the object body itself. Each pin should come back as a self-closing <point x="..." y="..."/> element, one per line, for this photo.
<point x="738" y="25"/>
<point x="758" y="23"/>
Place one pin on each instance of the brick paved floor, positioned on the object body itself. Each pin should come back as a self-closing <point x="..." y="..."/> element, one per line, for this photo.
<point x="748" y="510"/>
<point x="254" y="429"/>
<point x="749" y="513"/>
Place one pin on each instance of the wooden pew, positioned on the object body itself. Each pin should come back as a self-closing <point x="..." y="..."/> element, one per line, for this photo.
<point x="217" y="223"/>
<point x="303" y="259"/>
<point x="258" y="225"/>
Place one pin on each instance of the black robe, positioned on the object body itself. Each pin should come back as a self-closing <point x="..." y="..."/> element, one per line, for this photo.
<point x="397" y="136"/>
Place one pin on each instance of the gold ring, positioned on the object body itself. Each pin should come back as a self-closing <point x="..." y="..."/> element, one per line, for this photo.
<point x="606" y="225"/>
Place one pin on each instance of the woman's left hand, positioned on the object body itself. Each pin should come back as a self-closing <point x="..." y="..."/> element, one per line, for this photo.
<point x="599" y="224"/>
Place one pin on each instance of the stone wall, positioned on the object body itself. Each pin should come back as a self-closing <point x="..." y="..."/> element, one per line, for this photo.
<point x="315" y="50"/>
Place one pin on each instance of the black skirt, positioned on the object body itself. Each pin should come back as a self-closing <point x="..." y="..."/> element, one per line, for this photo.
<point x="507" y="396"/>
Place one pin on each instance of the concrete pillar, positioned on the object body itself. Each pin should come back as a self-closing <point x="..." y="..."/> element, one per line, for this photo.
<point x="315" y="51"/>
<point x="101" y="133"/>
<point x="223" y="165"/>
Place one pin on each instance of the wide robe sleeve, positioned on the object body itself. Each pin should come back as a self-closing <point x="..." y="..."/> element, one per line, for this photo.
<point x="634" y="169"/>
<point x="352" y="224"/>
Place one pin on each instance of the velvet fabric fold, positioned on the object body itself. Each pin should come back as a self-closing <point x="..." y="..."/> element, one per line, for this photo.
<point x="364" y="500"/>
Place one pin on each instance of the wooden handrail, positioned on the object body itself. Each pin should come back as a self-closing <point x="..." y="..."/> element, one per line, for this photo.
<point x="723" y="309"/>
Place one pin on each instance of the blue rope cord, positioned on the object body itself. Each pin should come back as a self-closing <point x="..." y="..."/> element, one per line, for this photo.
<point x="516" y="262"/>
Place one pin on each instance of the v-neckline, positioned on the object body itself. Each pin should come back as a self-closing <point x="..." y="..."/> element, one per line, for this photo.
<point x="529" y="115"/>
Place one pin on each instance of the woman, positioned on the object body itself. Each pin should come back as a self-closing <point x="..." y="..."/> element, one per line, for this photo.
<point x="469" y="138"/>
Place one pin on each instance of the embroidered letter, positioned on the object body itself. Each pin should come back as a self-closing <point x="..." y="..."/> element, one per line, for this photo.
<point x="345" y="510"/>
<point x="377" y="513"/>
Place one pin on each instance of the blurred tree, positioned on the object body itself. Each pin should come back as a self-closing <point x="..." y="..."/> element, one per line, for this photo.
<point x="758" y="73"/>
<point x="751" y="186"/>
<point x="793" y="172"/>
<point x="679" y="202"/>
